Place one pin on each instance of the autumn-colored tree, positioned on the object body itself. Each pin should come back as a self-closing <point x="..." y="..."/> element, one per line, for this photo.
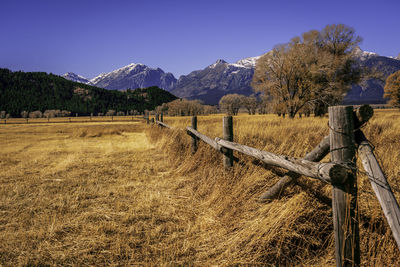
<point x="392" y="89"/>
<point x="184" y="107"/>
<point x="24" y="114"/>
<point x="231" y="103"/>
<point x="250" y="103"/>
<point x="316" y="69"/>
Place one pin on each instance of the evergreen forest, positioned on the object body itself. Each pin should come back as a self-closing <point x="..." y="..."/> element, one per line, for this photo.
<point x="31" y="91"/>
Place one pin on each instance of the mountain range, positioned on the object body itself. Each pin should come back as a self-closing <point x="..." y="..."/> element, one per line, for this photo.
<point x="221" y="77"/>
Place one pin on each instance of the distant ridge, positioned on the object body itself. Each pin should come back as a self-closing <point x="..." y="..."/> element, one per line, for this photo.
<point x="217" y="80"/>
<point x="221" y="78"/>
<point x="132" y="76"/>
<point x="32" y="91"/>
<point x="76" y="78"/>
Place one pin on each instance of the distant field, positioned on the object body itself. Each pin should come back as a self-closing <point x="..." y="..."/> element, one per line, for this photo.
<point x="128" y="193"/>
<point x="67" y="119"/>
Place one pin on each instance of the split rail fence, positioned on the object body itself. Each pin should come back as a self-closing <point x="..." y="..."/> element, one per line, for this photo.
<point x="345" y="137"/>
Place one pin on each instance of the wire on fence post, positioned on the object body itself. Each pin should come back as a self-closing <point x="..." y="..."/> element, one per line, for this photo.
<point x="344" y="194"/>
<point x="194" y="138"/>
<point x="227" y="126"/>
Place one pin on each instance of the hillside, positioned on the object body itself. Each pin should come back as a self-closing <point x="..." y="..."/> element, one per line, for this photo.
<point x="131" y="76"/>
<point x="217" y="80"/>
<point x="30" y="91"/>
<point x="221" y="78"/>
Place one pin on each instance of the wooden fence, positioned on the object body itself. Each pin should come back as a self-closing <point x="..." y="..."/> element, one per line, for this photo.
<point x="345" y="137"/>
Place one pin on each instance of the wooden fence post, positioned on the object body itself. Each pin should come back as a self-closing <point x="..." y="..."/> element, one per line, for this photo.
<point x="194" y="138"/>
<point x="157" y="117"/>
<point x="227" y="126"/>
<point x="162" y="117"/>
<point x="344" y="195"/>
<point x="152" y="120"/>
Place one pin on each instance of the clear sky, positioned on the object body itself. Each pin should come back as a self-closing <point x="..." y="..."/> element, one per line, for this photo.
<point x="89" y="37"/>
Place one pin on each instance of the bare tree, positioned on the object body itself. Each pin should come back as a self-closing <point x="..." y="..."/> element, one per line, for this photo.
<point x="24" y="114"/>
<point x="250" y="103"/>
<point x="231" y="103"/>
<point x="35" y="114"/>
<point x="317" y="68"/>
<point x="110" y="112"/>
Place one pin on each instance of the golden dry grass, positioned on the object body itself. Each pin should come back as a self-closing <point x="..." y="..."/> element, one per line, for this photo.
<point x="132" y="194"/>
<point x="68" y="119"/>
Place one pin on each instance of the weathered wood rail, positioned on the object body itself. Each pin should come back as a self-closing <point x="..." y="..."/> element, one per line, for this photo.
<point x="344" y="139"/>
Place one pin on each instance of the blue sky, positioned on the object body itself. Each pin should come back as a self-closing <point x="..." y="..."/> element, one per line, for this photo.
<point x="89" y="37"/>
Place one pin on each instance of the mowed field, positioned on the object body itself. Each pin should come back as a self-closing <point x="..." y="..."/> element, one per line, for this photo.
<point x="128" y="193"/>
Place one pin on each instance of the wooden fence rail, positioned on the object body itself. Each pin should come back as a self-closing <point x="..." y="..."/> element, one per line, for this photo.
<point x="362" y="115"/>
<point x="379" y="184"/>
<point x="344" y="138"/>
<point x="327" y="172"/>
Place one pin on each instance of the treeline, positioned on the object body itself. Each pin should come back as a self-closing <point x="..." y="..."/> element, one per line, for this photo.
<point x="230" y="103"/>
<point x="184" y="107"/>
<point x="38" y="91"/>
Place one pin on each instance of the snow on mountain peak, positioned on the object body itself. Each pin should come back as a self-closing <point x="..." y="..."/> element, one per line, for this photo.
<point x="125" y="69"/>
<point x="75" y="78"/>
<point x="249" y="62"/>
<point x="364" y="55"/>
<point x="219" y="61"/>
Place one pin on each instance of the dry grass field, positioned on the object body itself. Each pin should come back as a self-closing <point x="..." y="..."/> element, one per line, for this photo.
<point x="127" y="193"/>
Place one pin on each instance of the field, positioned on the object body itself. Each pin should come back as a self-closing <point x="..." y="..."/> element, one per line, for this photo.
<point x="126" y="193"/>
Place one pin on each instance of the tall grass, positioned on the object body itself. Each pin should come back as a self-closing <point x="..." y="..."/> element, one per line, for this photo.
<point x="131" y="193"/>
<point x="296" y="229"/>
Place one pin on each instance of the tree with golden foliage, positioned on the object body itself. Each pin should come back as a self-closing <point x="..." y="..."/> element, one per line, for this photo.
<point x="250" y="103"/>
<point x="231" y="103"/>
<point x="315" y="69"/>
<point x="184" y="107"/>
<point x="392" y="89"/>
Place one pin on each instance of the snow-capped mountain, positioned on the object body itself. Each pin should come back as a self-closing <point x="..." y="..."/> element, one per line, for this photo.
<point x="221" y="78"/>
<point x="217" y="80"/>
<point x="364" y="55"/>
<point x="76" y="78"/>
<point x="249" y="62"/>
<point x="134" y="76"/>
<point x="370" y="90"/>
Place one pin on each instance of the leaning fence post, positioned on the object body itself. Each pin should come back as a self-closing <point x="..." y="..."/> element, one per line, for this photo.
<point x="344" y="195"/>
<point x="227" y="126"/>
<point x="194" y="138"/>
